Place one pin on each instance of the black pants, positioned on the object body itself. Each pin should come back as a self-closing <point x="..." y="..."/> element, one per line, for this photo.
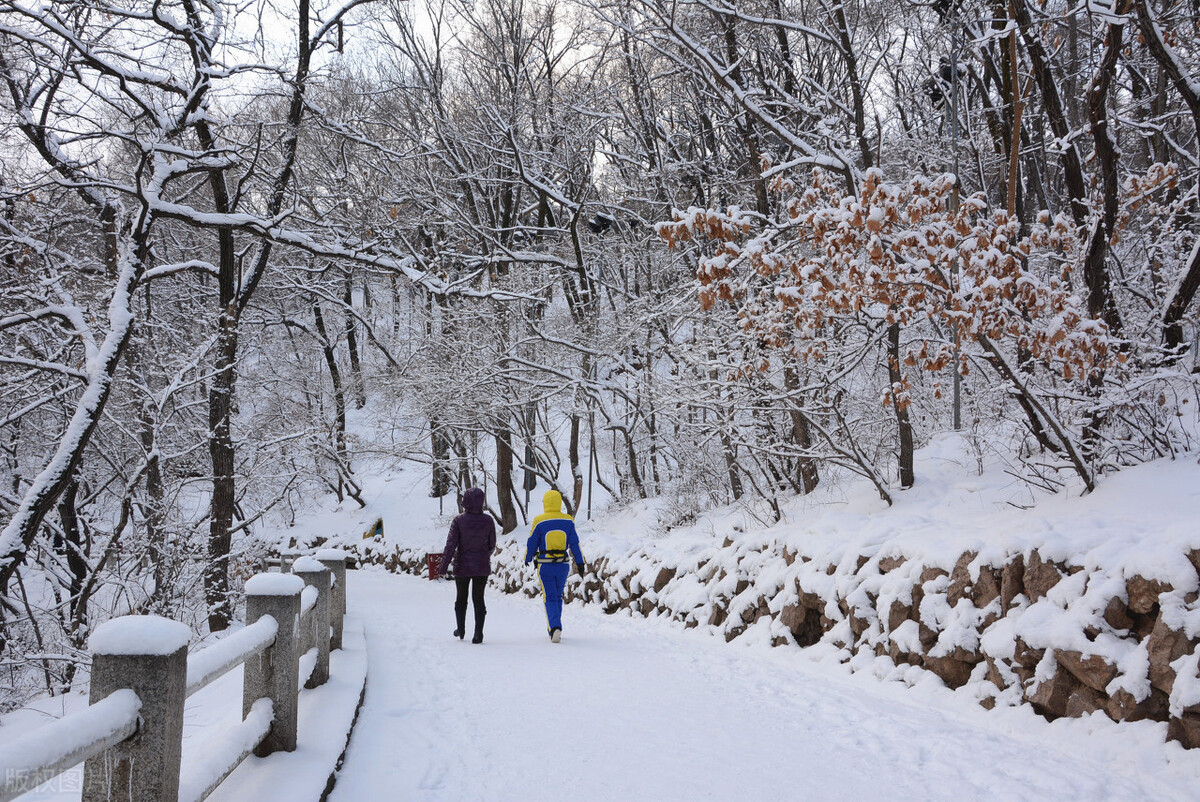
<point x="476" y="584"/>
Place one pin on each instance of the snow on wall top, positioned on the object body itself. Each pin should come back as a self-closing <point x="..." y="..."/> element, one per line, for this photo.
<point x="331" y="554"/>
<point x="307" y="565"/>
<point x="140" y="634"/>
<point x="274" y="585"/>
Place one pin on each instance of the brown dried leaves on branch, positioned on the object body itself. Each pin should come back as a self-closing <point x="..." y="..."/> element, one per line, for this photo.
<point x="900" y="254"/>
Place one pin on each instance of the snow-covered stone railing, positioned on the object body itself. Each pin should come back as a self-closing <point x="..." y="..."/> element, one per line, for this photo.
<point x="50" y="750"/>
<point x="131" y="734"/>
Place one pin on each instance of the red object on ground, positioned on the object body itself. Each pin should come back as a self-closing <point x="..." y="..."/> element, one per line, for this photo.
<point x="434" y="561"/>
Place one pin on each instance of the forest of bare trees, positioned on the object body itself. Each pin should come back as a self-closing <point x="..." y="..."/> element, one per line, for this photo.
<point x="715" y="250"/>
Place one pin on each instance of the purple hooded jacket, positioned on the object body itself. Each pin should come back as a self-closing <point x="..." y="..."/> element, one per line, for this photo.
<point x="472" y="538"/>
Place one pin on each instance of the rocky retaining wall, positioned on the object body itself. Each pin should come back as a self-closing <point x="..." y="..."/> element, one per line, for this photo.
<point x="1066" y="639"/>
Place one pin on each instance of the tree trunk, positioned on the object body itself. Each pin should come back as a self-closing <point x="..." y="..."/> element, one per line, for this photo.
<point x="466" y="475"/>
<point x="1055" y="115"/>
<point x="77" y="565"/>
<point x="356" y="377"/>
<point x="1100" y="300"/>
<point x="631" y="455"/>
<point x="1172" y="69"/>
<point x="504" y="479"/>
<point x="1100" y="305"/>
<point x="155" y="534"/>
<point x="529" y="475"/>
<point x="439" y="447"/>
<point x="807" y="474"/>
<point x="903" y="424"/>
<point x="222" y="458"/>
<point x="235" y="291"/>
<point x="846" y="45"/>
<point x="1177" y="305"/>
<point x="339" y="395"/>
<point x="731" y="466"/>
<point x="723" y="417"/>
<point x="576" y="474"/>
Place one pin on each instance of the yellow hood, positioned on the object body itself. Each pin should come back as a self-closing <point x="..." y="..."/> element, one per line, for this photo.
<point x="552" y="502"/>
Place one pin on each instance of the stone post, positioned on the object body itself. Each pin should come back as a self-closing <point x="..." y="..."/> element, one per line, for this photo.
<point x="148" y="655"/>
<point x="275" y="673"/>
<point x="317" y="576"/>
<point x="335" y="561"/>
<point x="286" y="557"/>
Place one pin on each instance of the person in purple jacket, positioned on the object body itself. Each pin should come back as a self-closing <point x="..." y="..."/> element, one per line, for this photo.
<point x="470" y="544"/>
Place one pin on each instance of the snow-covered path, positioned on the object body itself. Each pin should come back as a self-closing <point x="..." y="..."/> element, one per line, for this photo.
<point x="630" y="709"/>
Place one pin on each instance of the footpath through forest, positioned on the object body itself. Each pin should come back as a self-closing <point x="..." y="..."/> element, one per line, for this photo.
<point x="636" y="709"/>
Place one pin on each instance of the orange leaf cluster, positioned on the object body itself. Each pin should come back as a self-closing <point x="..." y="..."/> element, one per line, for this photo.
<point x="898" y="254"/>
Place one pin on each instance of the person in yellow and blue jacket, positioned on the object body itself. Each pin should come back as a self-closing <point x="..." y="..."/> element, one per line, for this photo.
<point x="552" y="542"/>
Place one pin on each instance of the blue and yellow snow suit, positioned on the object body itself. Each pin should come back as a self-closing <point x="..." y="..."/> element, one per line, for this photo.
<point x="552" y="542"/>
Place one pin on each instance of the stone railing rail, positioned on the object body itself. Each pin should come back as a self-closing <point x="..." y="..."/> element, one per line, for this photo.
<point x="130" y="736"/>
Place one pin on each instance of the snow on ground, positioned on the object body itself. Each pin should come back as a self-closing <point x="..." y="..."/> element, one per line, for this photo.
<point x="631" y="709"/>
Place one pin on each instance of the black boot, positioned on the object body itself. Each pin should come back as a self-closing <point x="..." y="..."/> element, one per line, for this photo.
<point x="478" y="629"/>
<point x="460" y="616"/>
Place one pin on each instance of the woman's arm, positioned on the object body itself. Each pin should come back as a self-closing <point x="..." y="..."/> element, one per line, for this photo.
<point x="452" y="540"/>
